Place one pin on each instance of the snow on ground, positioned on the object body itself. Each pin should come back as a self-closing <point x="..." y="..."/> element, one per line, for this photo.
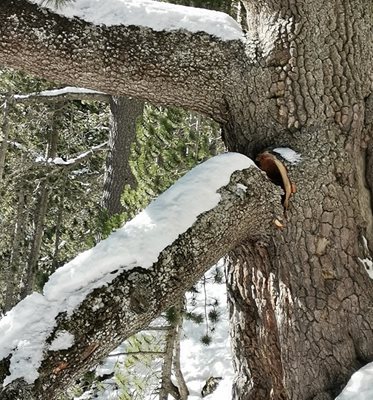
<point x="360" y="386"/>
<point x="26" y="327"/>
<point x="198" y="361"/>
<point x="155" y="15"/>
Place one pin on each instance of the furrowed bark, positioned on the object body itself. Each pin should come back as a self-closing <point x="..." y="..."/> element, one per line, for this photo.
<point x="178" y="68"/>
<point x="301" y="302"/>
<point x="306" y="323"/>
<point x="136" y="297"/>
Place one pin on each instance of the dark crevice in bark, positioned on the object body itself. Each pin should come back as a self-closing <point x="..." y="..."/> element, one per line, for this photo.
<point x="367" y="176"/>
<point x="368" y="164"/>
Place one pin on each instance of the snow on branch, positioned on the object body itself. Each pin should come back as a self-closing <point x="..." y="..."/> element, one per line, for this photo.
<point x="174" y="66"/>
<point x="71" y="162"/>
<point x="65" y="93"/>
<point x="153" y="14"/>
<point x="112" y="291"/>
<point x="52" y="166"/>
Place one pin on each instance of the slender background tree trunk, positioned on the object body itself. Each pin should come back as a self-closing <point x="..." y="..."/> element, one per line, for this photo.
<point x="41" y="208"/>
<point x="12" y="272"/>
<point x="124" y="115"/>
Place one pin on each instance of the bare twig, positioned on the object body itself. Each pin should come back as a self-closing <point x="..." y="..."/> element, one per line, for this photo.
<point x="140" y="352"/>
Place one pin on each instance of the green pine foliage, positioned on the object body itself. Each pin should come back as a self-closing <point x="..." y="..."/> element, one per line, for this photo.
<point x="74" y="192"/>
<point x="211" y="317"/>
<point x="169" y="143"/>
<point x="206" y="339"/>
<point x="12" y="81"/>
<point x="137" y="375"/>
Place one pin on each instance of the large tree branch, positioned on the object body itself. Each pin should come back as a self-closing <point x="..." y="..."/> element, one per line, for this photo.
<point x="110" y="313"/>
<point x="192" y="70"/>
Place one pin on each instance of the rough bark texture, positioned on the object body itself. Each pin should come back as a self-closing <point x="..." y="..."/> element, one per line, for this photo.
<point x="177" y="68"/>
<point x="300" y="298"/>
<point x="301" y="302"/>
<point x="303" y="299"/>
<point x="134" y="298"/>
<point x="124" y="115"/>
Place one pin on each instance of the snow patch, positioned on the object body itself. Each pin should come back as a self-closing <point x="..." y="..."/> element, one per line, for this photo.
<point x="60" y="161"/>
<point x="57" y="92"/>
<point x="200" y="362"/>
<point x="242" y="187"/>
<point x="368" y="265"/>
<point x="26" y="327"/>
<point x="24" y="330"/>
<point x="365" y="241"/>
<point x="360" y="386"/>
<point x="63" y="341"/>
<point x="156" y="15"/>
<point x="288" y="154"/>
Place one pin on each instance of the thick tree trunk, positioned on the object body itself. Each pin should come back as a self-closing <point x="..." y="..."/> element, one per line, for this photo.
<point x="300" y="298"/>
<point x="301" y="302"/>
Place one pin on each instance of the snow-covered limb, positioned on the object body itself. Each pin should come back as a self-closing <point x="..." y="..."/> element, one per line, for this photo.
<point x="55" y="165"/>
<point x="68" y="93"/>
<point x="156" y="15"/>
<point x="79" y="158"/>
<point x="175" y="67"/>
<point x="115" y="289"/>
